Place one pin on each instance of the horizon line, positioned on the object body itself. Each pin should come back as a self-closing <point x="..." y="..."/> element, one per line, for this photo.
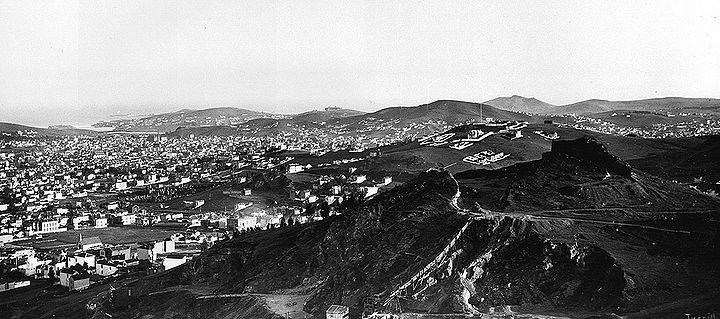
<point x="191" y="108"/>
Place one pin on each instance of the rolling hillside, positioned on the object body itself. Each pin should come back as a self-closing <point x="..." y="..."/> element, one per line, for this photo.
<point x="647" y="153"/>
<point x="443" y="110"/>
<point x="672" y="104"/>
<point x="594" y="106"/>
<point x="325" y="115"/>
<point x="168" y="122"/>
<point x="518" y="103"/>
<point x="422" y="119"/>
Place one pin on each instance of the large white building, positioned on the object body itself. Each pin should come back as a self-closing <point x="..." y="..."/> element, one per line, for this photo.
<point x="47" y="226"/>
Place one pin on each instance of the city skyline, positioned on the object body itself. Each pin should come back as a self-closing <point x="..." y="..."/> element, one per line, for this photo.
<point x="80" y="62"/>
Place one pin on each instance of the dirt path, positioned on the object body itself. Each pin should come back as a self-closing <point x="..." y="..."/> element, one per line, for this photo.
<point x="530" y="216"/>
<point x="286" y="305"/>
<point x="289" y="306"/>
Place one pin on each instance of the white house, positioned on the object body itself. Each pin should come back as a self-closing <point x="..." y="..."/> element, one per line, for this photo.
<point x="295" y="168"/>
<point x="128" y="219"/>
<point x="151" y="251"/>
<point x="73" y="280"/>
<point x="82" y="259"/>
<point x="104" y="268"/>
<point x="101" y="223"/>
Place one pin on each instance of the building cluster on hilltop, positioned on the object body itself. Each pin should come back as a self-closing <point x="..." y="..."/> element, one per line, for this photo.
<point x="693" y="126"/>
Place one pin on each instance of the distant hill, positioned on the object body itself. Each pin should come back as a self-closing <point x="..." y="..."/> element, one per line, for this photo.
<point x="226" y="111"/>
<point x="12" y="130"/>
<point x="205" y="131"/>
<point x="325" y="115"/>
<point x="422" y="119"/>
<point x="643" y="119"/>
<point x="442" y="110"/>
<point x="12" y="127"/>
<point x="673" y="104"/>
<point x="260" y="126"/>
<point x="518" y="103"/>
<point x="168" y="122"/>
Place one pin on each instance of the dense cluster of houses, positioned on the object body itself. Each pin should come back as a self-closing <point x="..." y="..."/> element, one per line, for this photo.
<point x="49" y="170"/>
<point x="58" y="184"/>
<point x="694" y="124"/>
<point x="15" y="226"/>
<point x="51" y="185"/>
<point x="333" y="189"/>
<point x="77" y="266"/>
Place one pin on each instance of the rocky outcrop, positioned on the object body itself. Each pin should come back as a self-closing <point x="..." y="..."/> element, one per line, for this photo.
<point x="590" y="150"/>
<point x="577" y="174"/>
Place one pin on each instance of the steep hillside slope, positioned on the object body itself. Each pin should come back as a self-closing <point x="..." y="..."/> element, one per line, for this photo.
<point x="341" y="260"/>
<point x="577" y="233"/>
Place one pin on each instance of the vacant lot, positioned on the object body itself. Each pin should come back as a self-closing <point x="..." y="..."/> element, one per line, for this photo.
<point x="216" y="200"/>
<point x="113" y="235"/>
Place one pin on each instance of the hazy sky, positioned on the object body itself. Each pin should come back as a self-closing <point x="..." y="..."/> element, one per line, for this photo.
<point x="77" y="61"/>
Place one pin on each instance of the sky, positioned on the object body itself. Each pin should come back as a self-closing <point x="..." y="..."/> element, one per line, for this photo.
<point x="75" y="62"/>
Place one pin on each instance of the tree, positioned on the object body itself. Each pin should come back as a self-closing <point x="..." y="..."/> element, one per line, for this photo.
<point x="324" y="209"/>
